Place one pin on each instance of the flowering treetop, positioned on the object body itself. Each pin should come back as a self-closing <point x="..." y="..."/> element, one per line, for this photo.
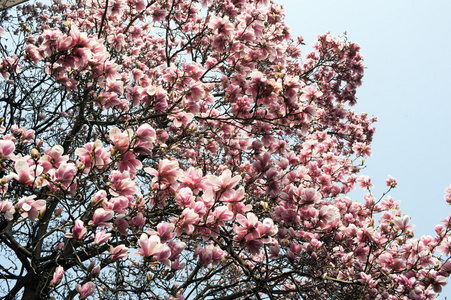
<point x="184" y="149"/>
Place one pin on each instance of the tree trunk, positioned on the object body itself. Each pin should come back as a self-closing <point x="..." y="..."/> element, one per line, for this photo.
<point x="36" y="289"/>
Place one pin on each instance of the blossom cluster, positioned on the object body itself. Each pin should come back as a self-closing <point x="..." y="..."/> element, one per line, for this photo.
<point x="187" y="149"/>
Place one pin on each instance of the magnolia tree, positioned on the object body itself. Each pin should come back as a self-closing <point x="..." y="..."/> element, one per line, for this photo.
<point x="185" y="149"/>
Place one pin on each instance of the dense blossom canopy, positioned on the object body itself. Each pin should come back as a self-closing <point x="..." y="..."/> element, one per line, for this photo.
<point x="185" y="149"/>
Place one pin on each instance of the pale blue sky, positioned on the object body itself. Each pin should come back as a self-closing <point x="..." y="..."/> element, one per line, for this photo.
<point x="407" y="50"/>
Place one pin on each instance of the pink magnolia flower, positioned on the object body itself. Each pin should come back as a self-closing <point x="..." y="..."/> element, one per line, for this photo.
<point x="145" y="138"/>
<point x="184" y="197"/>
<point x="236" y="196"/>
<point x="139" y="220"/>
<point x="309" y="196"/>
<point x="33" y="209"/>
<point x="99" y="197"/>
<point x="109" y="69"/>
<point x="121" y="224"/>
<point x="57" y="276"/>
<point x="210" y="255"/>
<point x="6" y="148"/>
<point x="257" y="85"/>
<point x="128" y="162"/>
<point x="249" y="227"/>
<point x="391" y="181"/>
<point x="134" y="93"/>
<point x="168" y="172"/>
<point x="118" y="205"/>
<point x="108" y="100"/>
<point x="101" y="237"/>
<point x="194" y="93"/>
<point x="81" y="57"/>
<point x="199" y="208"/>
<point x="149" y="246"/>
<point x="10" y="65"/>
<point x="163" y="256"/>
<point x="310" y="93"/>
<point x="448" y="194"/>
<point x="180" y="297"/>
<point x="267" y="229"/>
<point x="328" y="216"/>
<point x="77" y="37"/>
<point x="101" y="216"/>
<point x="25" y="135"/>
<point x="93" y="156"/>
<point x="7" y="209"/>
<point x="63" y="42"/>
<point x="220" y="215"/>
<point x="117" y="40"/>
<point x="95" y="271"/>
<point x="368" y="280"/>
<point x="64" y="175"/>
<point x="445" y="248"/>
<point x="53" y="158"/>
<point x="220" y="25"/>
<point x="402" y="223"/>
<point x="164" y="230"/>
<point x="446" y="267"/>
<point x="185" y="222"/>
<point x="24" y="173"/>
<point x="115" y="86"/>
<point x="118" y="252"/>
<point x="33" y="53"/>
<point x="365" y="182"/>
<point x="239" y="207"/>
<point x="86" y="290"/>
<point x="253" y="246"/>
<point x="362" y="149"/>
<point x="91" y="265"/>
<point x="121" y="185"/>
<point x="78" y="232"/>
<point x="176" y="247"/>
<point x="223" y="184"/>
<point x="193" y="179"/>
<point x="182" y="119"/>
<point x="438" y="281"/>
<point x="121" y="140"/>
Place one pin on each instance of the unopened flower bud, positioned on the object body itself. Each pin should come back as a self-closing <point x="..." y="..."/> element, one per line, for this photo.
<point x="58" y="211"/>
<point x="91" y="265"/>
<point x="57" y="276"/>
<point x="95" y="271"/>
<point x="35" y="154"/>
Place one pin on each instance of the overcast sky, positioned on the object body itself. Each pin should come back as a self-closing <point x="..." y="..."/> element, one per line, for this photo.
<point x="407" y="50"/>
